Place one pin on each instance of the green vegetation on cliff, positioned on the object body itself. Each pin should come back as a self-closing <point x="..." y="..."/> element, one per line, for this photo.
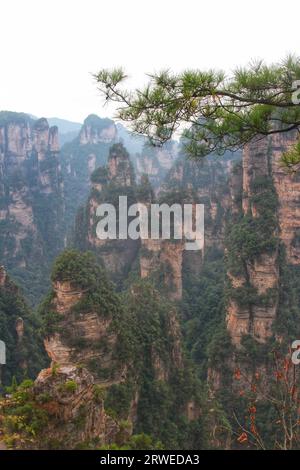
<point x="31" y="201"/>
<point x="20" y="330"/>
<point x="144" y="366"/>
<point x="7" y="117"/>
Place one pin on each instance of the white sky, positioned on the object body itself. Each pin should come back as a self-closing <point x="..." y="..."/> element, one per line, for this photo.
<point x="50" y="48"/>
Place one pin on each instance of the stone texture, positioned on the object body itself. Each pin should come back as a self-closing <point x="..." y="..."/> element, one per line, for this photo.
<point x="263" y="159"/>
<point x="30" y="182"/>
<point x="117" y="255"/>
<point x="91" y="134"/>
<point x="155" y="162"/>
<point x="75" y="415"/>
<point x="163" y="257"/>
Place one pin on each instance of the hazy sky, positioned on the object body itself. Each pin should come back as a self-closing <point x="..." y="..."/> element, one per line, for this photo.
<point x="49" y="49"/>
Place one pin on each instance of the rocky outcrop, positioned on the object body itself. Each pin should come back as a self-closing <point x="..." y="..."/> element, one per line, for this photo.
<point x="96" y="349"/>
<point x="31" y="194"/>
<point x="270" y="196"/>
<point x="120" y="170"/>
<point x="190" y="183"/>
<point x="108" y="360"/>
<point x="163" y="259"/>
<point x="81" y="341"/>
<point x="259" y="273"/>
<point x="75" y="411"/>
<point x="80" y="157"/>
<point x="66" y="296"/>
<point x="83" y="338"/>
<point x="88" y="329"/>
<point x="288" y="190"/>
<point x="96" y="131"/>
<point x="155" y="162"/>
<point x="69" y="410"/>
<point x="108" y="183"/>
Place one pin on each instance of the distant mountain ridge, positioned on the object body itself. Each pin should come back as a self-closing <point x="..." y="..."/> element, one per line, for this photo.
<point x="64" y="125"/>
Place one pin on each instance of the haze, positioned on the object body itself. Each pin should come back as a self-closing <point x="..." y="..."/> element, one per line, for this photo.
<point x="50" y="49"/>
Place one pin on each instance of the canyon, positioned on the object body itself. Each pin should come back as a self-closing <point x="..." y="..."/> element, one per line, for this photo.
<point x="126" y="320"/>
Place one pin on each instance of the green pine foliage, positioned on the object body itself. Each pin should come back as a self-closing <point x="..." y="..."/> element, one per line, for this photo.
<point x="224" y="113"/>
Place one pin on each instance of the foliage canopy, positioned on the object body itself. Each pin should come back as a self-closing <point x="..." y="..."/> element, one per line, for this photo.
<point x="217" y="112"/>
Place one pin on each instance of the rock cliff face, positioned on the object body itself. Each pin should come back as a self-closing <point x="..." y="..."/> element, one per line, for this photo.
<point x="96" y="131"/>
<point x="31" y="196"/>
<point x="119" y="256"/>
<point x="80" y="157"/>
<point x="270" y="204"/>
<point x="164" y="259"/>
<point x="82" y="331"/>
<point x="81" y="341"/>
<point x="102" y="355"/>
<point x="120" y="171"/>
<point x="75" y="411"/>
<point x="190" y="183"/>
<point x="80" y="335"/>
<point x="108" y="183"/>
<point x="288" y="190"/>
<point x="156" y="162"/>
